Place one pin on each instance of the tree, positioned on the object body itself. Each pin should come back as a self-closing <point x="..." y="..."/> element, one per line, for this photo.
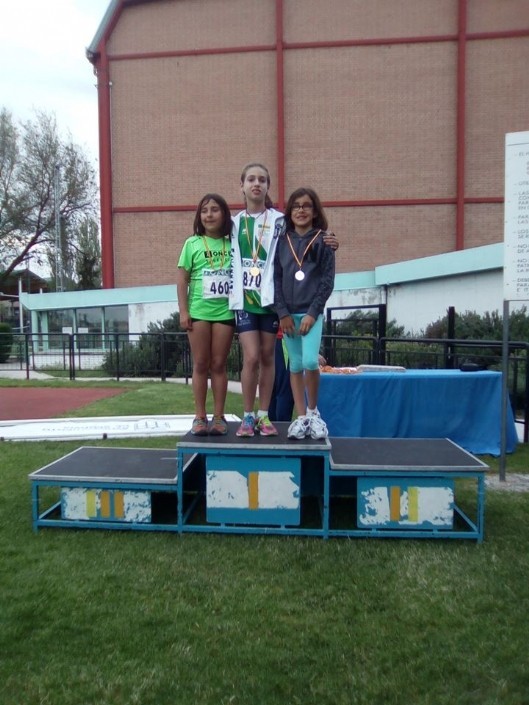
<point x="88" y="256"/>
<point x="34" y="160"/>
<point x="81" y="256"/>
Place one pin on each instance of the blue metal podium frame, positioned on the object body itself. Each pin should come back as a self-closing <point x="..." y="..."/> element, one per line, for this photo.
<point x="106" y="469"/>
<point x="344" y="461"/>
<point x="239" y="453"/>
<point x="323" y="483"/>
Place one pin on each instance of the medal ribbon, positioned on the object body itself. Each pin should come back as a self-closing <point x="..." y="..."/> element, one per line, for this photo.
<point x="255" y="252"/>
<point x="300" y="261"/>
<point x="210" y="256"/>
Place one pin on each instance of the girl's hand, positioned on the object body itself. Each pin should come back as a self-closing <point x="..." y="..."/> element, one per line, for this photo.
<point x="287" y="325"/>
<point x="306" y="324"/>
<point x="185" y="321"/>
<point x="331" y="240"/>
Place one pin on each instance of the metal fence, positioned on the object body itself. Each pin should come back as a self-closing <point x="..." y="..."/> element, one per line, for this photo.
<point x="112" y="355"/>
<point x="166" y="354"/>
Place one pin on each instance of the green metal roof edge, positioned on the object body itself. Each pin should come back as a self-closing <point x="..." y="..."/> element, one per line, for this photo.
<point x="99" y="297"/>
<point x="474" y="259"/>
<point x="354" y="280"/>
<point x="100" y="33"/>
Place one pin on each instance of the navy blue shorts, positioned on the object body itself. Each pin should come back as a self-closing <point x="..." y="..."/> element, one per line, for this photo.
<point x="247" y="321"/>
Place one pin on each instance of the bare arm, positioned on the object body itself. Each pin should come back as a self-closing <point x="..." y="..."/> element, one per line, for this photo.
<point x="182" y="288"/>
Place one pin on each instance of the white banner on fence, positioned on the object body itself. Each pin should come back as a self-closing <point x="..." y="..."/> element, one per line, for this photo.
<point x="98" y="427"/>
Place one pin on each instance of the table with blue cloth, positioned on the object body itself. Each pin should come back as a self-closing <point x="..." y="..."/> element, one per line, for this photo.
<point x="462" y="406"/>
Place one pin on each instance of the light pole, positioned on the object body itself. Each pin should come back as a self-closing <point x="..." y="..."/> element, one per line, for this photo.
<point x="59" y="264"/>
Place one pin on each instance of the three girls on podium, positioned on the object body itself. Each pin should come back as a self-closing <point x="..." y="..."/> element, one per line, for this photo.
<point x="252" y="274"/>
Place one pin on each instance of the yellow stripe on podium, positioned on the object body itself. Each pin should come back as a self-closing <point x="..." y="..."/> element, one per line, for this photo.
<point x="394" y="503"/>
<point x="91" y="510"/>
<point x="105" y="503"/>
<point x="253" y="490"/>
<point x="413" y="504"/>
<point x="119" y="505"/>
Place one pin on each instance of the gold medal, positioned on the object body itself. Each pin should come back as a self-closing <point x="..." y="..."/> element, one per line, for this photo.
<point x="255" y="271"/>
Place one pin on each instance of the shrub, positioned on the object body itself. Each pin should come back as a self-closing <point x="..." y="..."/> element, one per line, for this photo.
<point x="414" y="355"/>
<point x="164" y="344"/>
<point x="364" y="323"/>
<point x="474" y="327"/>
<point x="6" y="341"/>
<point x="470" y="325"/>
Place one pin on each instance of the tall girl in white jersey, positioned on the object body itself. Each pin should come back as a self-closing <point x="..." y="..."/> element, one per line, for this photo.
<point x="254" y="240"/>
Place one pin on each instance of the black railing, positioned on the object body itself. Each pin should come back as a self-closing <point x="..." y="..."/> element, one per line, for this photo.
<point x="167" y="354"/>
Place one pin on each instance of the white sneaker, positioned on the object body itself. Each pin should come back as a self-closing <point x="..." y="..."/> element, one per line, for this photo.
<point x="317" y="426"/>
<point x="299" y="428"/>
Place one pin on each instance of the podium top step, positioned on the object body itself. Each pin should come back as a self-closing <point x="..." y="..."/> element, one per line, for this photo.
<point x="402" y="454"/>
<point x="127" y="465"/>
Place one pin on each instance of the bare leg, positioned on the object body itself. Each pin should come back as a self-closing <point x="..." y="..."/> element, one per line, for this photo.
<point x="266" y="369"/>
<point x="250" y="342"/>
<point x="200" y="342"/>
<point x="312" y="381"/>
<point x="297" y="383"/>
<point x="221" y="338"/>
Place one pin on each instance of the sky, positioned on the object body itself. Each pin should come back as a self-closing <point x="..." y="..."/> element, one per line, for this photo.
<point x="43" y="64"/>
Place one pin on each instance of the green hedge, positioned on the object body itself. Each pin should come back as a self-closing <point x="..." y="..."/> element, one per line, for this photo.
<point x="6" y="341"/>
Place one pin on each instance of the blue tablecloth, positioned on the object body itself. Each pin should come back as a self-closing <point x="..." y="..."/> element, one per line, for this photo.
<point x="462" y="406"/>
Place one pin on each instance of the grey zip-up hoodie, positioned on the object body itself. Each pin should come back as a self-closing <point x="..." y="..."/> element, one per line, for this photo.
<point x="318" y="265"/>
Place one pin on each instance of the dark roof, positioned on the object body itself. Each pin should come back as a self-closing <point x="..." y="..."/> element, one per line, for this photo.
<point x="31" y="283"/>
<point x="109" y="18"/>
<point x="93" y="48"/>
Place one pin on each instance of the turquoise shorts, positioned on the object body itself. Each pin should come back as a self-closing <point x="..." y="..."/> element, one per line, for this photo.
<point x="303" y="350"/>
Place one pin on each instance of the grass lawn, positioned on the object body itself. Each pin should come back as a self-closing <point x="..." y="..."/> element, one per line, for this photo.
<point x="91" y="617"/>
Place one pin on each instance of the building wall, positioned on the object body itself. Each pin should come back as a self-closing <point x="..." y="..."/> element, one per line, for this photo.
<point x="142" y="315"/>
<point x="368" y="115"/>
<point x="415" y="305"/>
<point x="417" y="292"/>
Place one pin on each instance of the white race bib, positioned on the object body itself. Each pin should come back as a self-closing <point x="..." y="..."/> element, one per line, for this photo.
<point x="252" y="273"/>
<point x="215" y="283"/>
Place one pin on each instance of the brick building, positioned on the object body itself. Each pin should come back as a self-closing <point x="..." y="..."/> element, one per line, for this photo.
<point x="395" y="111"/>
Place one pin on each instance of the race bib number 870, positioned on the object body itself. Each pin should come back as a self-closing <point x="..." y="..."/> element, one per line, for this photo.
<point x="252" y="274"/>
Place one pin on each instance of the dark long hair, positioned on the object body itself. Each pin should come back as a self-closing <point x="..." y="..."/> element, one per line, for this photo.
<point x="319" y="219"/>
<point x="199" y="229"/>
<point x="268" y="200"/>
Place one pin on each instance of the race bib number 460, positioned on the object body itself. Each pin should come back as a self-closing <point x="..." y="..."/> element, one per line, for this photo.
<point x="215" y="283"/>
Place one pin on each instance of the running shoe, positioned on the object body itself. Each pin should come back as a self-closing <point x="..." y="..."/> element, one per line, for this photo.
<point x="200" y="426"/>
<point x="317" y="426"/>
<point x="218" y="426"/>
<point x="299" y="428"/>
<point x="265" y="427"/>
<point x="247" y="427"/>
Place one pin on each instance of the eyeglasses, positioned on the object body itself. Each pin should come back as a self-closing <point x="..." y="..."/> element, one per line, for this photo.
<point x="302" y="207"/>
